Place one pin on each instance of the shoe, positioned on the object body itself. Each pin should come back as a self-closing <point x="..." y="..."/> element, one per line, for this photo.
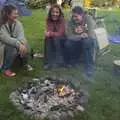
<point x="9" y="73"/>
<point x="47" y="66"/>
<point x="38" y="55"/>
<point x="89" y="71"/>
<point x="28" y="67"/>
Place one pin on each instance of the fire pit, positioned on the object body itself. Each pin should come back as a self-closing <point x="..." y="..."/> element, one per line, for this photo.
<point x="55" y="99"/>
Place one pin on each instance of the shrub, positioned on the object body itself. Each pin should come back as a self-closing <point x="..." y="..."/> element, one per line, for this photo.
<point x="38" y="3"/>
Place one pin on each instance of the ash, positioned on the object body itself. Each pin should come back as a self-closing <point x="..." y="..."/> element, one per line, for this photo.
<point x="55" y="99"/>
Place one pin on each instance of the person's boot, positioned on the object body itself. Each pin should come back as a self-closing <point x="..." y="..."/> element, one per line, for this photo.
<point x="89" y="71"/>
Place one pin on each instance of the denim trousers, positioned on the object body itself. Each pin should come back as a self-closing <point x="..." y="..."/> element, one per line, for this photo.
<point x="74" y="48"/>
<point x="53" y="50"/>
<point x="10" y="54"/>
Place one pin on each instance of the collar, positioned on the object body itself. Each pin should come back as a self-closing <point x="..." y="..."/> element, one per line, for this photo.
<point x="12" y="26"/>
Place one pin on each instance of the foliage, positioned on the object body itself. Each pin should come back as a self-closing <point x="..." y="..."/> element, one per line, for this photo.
<point x="38" y="3"/>
<point x="87" y="3"/>
<point x="101" y="3"/>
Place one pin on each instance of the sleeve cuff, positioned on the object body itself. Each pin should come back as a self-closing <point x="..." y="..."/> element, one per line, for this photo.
<point x="17" y="44"/>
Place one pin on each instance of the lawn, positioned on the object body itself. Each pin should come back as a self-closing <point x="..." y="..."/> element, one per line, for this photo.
<point x="103" y="88"/>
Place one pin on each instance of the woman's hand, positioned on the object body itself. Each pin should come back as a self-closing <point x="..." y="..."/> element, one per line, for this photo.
<point x="47" y="33"/>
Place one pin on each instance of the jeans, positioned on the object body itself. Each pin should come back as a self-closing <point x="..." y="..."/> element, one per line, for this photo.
<point x="10" y="53"/>
<point x="53" y="50"/>
<point x="74" y="49"/>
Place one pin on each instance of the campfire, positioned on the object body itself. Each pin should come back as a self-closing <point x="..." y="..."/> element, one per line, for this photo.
<point x="50" y="98"/>
<point x="63" y="90"/>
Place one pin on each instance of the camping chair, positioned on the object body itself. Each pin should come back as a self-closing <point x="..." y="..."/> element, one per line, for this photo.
<point x="114" y="33"/>
<point x="100" y="33"/>
<point x="101" y="36"/>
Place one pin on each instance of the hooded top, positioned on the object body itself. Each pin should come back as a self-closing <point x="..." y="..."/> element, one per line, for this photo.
<point x="87" y="20"/>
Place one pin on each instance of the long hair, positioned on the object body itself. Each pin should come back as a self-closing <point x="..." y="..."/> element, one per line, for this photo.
<point x="49" y="19"/>
<point x="5" y="11"/>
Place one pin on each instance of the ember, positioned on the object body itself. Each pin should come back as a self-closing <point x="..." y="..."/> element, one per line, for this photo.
<point x="49" y="98"/>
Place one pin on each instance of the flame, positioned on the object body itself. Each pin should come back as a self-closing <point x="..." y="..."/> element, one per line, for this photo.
<point x="61" y="90"/>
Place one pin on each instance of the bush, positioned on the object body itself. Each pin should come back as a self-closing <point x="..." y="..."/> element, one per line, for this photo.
<point x="101" y="3"/>
<point x="38" y="3"/>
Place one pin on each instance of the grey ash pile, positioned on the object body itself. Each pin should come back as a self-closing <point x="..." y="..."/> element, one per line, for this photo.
<point x="55" y="99"/>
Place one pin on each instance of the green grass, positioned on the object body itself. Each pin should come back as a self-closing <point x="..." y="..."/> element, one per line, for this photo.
<point x="104" y="90"/>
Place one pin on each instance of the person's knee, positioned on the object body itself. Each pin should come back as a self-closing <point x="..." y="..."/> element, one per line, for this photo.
<point x="68" y="44"/>
<point x="58" y="38"/>
<point x="88" y="42"/>
<point x="10" y="51"/>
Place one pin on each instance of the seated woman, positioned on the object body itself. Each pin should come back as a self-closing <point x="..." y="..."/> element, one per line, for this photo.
<point x="12" y="39"/>
<point x="79" y="31"/>
<point x="54" y="37"/>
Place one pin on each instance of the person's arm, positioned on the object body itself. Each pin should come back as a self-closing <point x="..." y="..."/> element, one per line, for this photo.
<point x="7" y="39"/>
<point x="60" y="32"/>
<point x="91" y="25"/>
<point x="71" y="31"/>
<point x="20" y="32"/>
<point x="68" y="29"/>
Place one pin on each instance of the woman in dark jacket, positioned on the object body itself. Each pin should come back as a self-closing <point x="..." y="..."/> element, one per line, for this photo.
<point x="54" y="35"/>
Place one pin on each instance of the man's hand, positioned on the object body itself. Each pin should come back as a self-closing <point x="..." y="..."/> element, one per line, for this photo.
<point x="84" y="35"/>
<point x="22" y="42"/>
<point x="22" y="49"/>
<point x="79" y="30"/>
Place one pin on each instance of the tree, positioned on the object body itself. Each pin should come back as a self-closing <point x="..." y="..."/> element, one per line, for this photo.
<point x="101" y="3"/>
<point x="39" y="3"/>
